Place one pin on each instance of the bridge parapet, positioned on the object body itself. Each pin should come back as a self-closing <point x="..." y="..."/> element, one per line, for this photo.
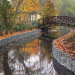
<point x="56" y="20"/>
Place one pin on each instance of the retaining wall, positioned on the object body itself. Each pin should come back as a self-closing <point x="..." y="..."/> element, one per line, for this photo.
<point x="19" y="37"/>
<point x="63" y="58"/>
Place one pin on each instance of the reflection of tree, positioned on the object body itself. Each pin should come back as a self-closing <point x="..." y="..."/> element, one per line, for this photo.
<point x="18" y="50"/>
<point x="18" y="53"/>
<point x="6" y="68"/>
<point x="46" y="46"/>
<point x="17" y="57"/>
<point x="21" y="59"/>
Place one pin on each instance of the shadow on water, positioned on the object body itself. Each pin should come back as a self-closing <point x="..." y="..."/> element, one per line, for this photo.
<point x="32" y="58"/>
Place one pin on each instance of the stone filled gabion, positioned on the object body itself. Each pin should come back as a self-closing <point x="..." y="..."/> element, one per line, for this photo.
<point x="63" y="58"/>
<point x="19" y="37"/>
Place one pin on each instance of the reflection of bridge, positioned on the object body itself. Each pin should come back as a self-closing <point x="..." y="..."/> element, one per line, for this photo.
<point x="65" y="20"/>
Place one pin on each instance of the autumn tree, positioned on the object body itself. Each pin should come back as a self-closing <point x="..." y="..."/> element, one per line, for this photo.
<point x="57" y="5"/>
<point x="23" y="8"/>
<point x="49" y="9"/>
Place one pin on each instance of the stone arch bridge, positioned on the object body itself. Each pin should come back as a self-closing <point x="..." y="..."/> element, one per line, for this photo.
<point x="46" y="22"/>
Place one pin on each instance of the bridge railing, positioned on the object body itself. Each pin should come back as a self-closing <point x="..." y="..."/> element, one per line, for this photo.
<point x="57" y="19"/>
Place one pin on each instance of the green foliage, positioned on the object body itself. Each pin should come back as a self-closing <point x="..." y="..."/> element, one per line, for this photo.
<point x="71" y="10"/>
<point x="35" y="23"/>
<point x="1" y="29"/>
<point x="21" y="27"/>
<point x="6" y="14"/>
<point x="68" y="8"/>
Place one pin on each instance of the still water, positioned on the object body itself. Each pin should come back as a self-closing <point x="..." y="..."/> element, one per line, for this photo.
<point x="32" y="58"/>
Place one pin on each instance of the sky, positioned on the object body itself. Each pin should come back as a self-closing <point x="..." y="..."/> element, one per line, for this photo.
<point x="9" y="0"/>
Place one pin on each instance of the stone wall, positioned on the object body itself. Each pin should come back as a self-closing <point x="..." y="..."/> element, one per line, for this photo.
<point x="61" y="70"/>
<point x="19" y="37"/>
<point x="63" y="58"/>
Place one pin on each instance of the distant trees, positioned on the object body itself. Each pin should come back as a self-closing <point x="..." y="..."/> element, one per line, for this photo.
<point x="68" y="8"/>
<point x="62" y="7"/>
<point x="71" y="9"/>
<point x="49" y="9"/>
<point x="57" y="5"/>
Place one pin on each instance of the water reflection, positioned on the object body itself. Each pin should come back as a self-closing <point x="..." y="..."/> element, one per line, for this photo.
<point x="33" y="58"/>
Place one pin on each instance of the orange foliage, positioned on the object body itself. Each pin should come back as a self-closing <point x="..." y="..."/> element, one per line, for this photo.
<point x="31" y="48"/>
<point x="30" y="5"/>
<point x="60" y="43"/>
<point x="49" y="9"/>
<point x="26" y="6"/>
<point x="13" y="33"/>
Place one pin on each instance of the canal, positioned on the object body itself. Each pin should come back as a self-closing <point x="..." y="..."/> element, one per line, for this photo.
<point x="32" y="58"/>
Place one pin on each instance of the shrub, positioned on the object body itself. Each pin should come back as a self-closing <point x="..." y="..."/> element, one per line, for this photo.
<point x="21" y="27"/>
<point x="7" y="30"/>
<point x="35" y="23"/>
<point x="1" y="30"/>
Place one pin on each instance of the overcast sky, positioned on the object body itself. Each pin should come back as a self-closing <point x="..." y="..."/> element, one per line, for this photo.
<point x="9" y="0"/>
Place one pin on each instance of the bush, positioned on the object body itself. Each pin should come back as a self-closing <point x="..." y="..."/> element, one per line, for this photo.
<point x="18" y="28"/>
<point x="35" y="23"/>
<point x="8" y="30"/>
<point x="21" y="27"/>
<point x="1" y="30"/>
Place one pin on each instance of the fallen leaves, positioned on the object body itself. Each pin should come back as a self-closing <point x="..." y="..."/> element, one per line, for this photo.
<point x="14" y="33"/>
<point x="64" y="44"/>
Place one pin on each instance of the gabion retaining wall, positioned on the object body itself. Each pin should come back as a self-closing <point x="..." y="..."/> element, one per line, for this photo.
<point x="61" y="70"/>
<point x="63" y="58"/>
<point x="19" y="37"/>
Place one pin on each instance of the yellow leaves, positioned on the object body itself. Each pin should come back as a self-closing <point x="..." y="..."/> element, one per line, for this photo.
<point x="29" y="6"/>
<point x="49" y="9"/>
<point x="24" y="6"/>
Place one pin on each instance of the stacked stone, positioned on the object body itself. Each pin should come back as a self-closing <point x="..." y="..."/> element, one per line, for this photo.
<point x="63" y="58"/>
<point x="19" y="37"/>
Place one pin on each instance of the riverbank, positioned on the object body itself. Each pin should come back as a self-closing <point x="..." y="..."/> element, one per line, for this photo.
<point x="62" y="54"/>
<point x="20" y="36"/>
<point x="66" y="43"/>
<point x="14" y="33"/>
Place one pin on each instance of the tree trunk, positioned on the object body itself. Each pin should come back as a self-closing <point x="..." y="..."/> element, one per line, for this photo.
<point x="17" y="10"/>
<point x="7" y="70"/>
